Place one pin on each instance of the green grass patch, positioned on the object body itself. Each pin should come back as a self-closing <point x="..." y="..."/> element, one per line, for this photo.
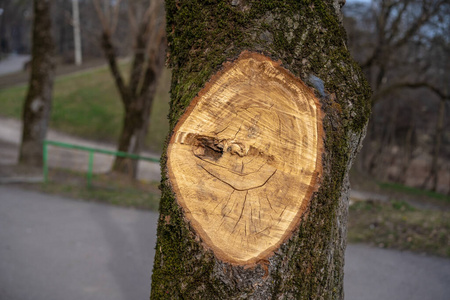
<point x="113" y="189"/>
<point x="119" y="197"/>
<point x="399" y="225"/>
<point x="413" y="191"/>
<point x="87" y="104"/>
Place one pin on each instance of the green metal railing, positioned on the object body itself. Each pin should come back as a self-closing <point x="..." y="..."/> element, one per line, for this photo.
<point x="91" y="156"/>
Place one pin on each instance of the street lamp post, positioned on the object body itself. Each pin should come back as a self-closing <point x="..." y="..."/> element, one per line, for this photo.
<point x="76" y="32"/>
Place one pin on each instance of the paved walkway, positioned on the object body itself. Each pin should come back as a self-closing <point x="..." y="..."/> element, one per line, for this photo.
<point x="54" y="248"/>
<point x="58" y="249"/>
<point x="13" y="63"/>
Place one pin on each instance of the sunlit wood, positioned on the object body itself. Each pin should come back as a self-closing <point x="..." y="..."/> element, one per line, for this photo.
<point x="245" y="158"/>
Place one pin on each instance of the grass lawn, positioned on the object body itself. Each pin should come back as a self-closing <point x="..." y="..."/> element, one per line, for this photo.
<point x="109" y="188"/>
<point x="87" y="105"/>
<point x="398" y="225"/>
<point x="413" y="220"/>
<point x="402" y="189"/>
<point x="121" y="196"/>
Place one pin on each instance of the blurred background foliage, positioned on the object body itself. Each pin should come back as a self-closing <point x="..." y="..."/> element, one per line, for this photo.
<point x="404" y="49"/>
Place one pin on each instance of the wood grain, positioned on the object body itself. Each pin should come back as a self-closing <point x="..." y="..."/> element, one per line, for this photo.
<point x="245" y="158"/>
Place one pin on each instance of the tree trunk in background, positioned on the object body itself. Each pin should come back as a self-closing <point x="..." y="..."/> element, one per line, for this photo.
<point x="138" y="110"/>
<point x="148" y="61"/>
<point x="36" y="110"/>
<point x="434" y="171"/>
<point x="268" y="111"/>
<point x="134" y="130"/>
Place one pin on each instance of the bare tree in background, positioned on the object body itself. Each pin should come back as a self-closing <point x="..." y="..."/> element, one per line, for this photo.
<point x="395" y="42"/>
<point x="37" y="107"/>
<point x="440" y="52"/>
<point x="146" y="21"/>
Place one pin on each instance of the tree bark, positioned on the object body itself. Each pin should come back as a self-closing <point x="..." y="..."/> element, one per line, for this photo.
<point x="268" y="111"/>
<point x="37" y="107"/>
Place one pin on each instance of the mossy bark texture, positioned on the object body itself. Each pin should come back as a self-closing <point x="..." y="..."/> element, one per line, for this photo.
<point x="36" y="110"/>
<point x="308" y="39"/>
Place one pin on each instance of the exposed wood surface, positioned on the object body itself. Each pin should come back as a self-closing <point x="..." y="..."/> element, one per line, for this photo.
<point x="245" y="158"/>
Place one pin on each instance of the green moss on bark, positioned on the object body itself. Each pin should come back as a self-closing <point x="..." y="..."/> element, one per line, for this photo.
<point x="307" y="38"/>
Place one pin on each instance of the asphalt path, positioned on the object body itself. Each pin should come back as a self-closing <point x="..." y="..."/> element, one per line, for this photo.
<point x="13" y="63"/>
<point x="53" y="248"/>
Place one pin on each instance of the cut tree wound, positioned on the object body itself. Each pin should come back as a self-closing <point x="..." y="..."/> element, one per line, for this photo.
<point x="245" y="158"/>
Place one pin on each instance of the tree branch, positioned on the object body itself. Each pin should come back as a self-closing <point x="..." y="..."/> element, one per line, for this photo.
<point x="115" y="16"/>
<point x="132" y="20"/>
<point x="139" y="57"/>
<point x="101" y="16"/>
<point x="411" y="85"/>
<point x="418" y="23"/>
<point x="111" y="57"/>
<point x="108" y="47"/>
<point x="156" y="59"/>
<point x="395" y="24"/>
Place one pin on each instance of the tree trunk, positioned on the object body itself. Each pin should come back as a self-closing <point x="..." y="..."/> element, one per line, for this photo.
<point x="267" y="114"/>
<point x="138" y="103"/>
<point x="36" y="110"/>
<point x="137" y="96"/>
<point x="377" y="161"/>
<point x="134" y="131"/>
<point x="434" y="171"/>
